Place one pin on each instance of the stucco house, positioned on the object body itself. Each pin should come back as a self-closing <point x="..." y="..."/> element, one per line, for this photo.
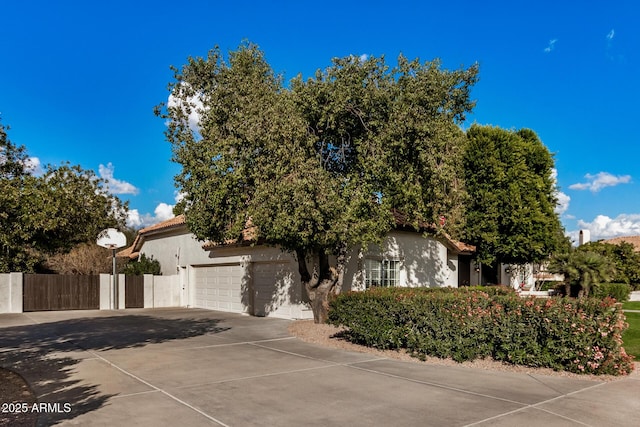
<point x="246" y="276"/>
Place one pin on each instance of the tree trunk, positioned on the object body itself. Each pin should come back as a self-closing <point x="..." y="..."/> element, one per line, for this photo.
<point x="323" y="283"/>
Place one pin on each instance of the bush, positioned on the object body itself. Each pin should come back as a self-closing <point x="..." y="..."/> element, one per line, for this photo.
<point x="582" y="336"/>
<point x="143" y="266"/>
<point x="618" y="291"/>
<point x="547" y="285"/>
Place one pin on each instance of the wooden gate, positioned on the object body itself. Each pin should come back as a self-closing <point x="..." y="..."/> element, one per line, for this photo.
<point x="134" y="292"/>
<point x="45" y="292"/>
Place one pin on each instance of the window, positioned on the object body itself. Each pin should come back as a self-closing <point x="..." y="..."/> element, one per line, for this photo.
<point x="381" y="272"/>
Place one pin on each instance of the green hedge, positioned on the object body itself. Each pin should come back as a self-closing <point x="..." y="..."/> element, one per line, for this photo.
<point x="619" y="291"/>
<point x="582" y="336"/>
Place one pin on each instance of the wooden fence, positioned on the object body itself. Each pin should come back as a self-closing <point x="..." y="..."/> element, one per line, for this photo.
<point x="48" y="292"/>
<point x="42" y="292"/>
<point x="134" y="292"/>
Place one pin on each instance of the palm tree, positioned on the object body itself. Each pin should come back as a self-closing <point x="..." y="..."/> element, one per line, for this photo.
<point x="585" y="268"/>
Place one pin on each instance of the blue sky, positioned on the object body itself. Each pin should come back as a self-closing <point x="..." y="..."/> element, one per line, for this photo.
<point x="79" y="80"/>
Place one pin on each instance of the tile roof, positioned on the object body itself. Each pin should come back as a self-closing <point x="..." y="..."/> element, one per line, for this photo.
<point x="249" y="235"/>
<point x="133" y="251"/>
<point x="461" y="247"/>
<point x="172" y="222"/>
<point x="634" y="240"/>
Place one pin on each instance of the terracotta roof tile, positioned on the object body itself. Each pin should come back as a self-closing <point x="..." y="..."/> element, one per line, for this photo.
<point x="249" y="235"/>
<point x="401" y="221"/>
<point x="172" y="222"/>
<point x="634" y="240"/>
<point x="133" y="251"/>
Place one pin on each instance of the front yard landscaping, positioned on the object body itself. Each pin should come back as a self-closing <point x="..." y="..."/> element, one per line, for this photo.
<point x="631" y="337"/>
<point x="580" y="336"/>
<point x="631" y="305"/>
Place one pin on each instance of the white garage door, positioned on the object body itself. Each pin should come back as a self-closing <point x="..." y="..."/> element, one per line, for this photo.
<point x="220" y="288"/>
<point x="272" y="284"/>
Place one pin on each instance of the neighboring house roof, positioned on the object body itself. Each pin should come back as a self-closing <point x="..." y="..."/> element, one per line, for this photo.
<point x="634" y="240"/>
<point x="133" y="251"/>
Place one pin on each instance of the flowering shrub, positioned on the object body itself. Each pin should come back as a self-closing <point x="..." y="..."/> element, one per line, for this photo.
<point x="582" y="336"/>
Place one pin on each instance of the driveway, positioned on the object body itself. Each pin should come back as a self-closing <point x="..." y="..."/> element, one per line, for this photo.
<point x="165" y="367"/>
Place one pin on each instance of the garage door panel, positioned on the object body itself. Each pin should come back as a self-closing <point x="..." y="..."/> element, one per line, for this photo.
<point x="272" y="286"/>
<point x="219" y="288"/>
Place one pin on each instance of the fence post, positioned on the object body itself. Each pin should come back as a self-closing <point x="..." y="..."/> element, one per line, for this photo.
<point x="105" y="292"/>
<point x="11" y="292"/>
<point x="16" y="281"/>
<point x="148" y="291"/>
<point x="121" y="291"/>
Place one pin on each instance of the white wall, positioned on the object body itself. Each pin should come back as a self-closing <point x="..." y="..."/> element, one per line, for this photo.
<point x="11" y="293"/>
<point x="106" y="292"/>
<point x="160" y="291"/>
<point x="424" y="261"/>
<point x="175" y="249"/>
<point x="165" y="290"/>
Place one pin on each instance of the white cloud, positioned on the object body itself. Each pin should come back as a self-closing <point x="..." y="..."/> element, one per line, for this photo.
<point x="363" y="57"/>
<point x="114" y="185"/>
<point x="611" y="34"/>
<point x="34" y="166"/>
<point x="563" y="200"/>
<point x="193" y="107"/>
<point x="599" y="181"/>
<point x="134" y="220"/>
<point x="162" y="212"/>
<point x="611" y="52"/>
<point x="604" y="227"/>
<point x="551" y="45"/>
<point x="563" y="203"/>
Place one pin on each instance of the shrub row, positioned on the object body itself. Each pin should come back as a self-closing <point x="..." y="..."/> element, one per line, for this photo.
<point x="618" y="291"/>
<point x="582" y="336"/>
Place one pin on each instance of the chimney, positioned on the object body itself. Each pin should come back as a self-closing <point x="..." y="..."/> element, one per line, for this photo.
<point x="585" y="237"/>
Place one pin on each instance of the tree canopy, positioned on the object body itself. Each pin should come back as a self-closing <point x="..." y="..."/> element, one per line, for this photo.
<point x="511" y="214"/>
<point x="317" y="165"/>
<point x="41" y="215"/>
<point x="623" y="257"/>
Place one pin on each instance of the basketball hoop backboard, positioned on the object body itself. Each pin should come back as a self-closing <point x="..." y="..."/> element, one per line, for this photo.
<point x="111" y="239"/>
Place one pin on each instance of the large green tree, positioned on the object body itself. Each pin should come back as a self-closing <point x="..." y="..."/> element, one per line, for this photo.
<point x="511" y="214"/>
<point x="623" y="257"/>
<point x="42" y="215"/>
<point x="318" y="165"/>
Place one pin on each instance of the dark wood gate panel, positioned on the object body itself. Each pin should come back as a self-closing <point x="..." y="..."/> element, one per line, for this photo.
<point x="45" y="292"/>
<point x="134" y="292"/>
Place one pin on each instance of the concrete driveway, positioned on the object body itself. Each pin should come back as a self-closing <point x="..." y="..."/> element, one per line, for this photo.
<point x="190" y="367"/>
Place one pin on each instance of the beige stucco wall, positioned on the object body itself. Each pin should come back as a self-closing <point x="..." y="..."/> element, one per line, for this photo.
<point x="424" y="261"/>
<point x="175" y="249"/>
